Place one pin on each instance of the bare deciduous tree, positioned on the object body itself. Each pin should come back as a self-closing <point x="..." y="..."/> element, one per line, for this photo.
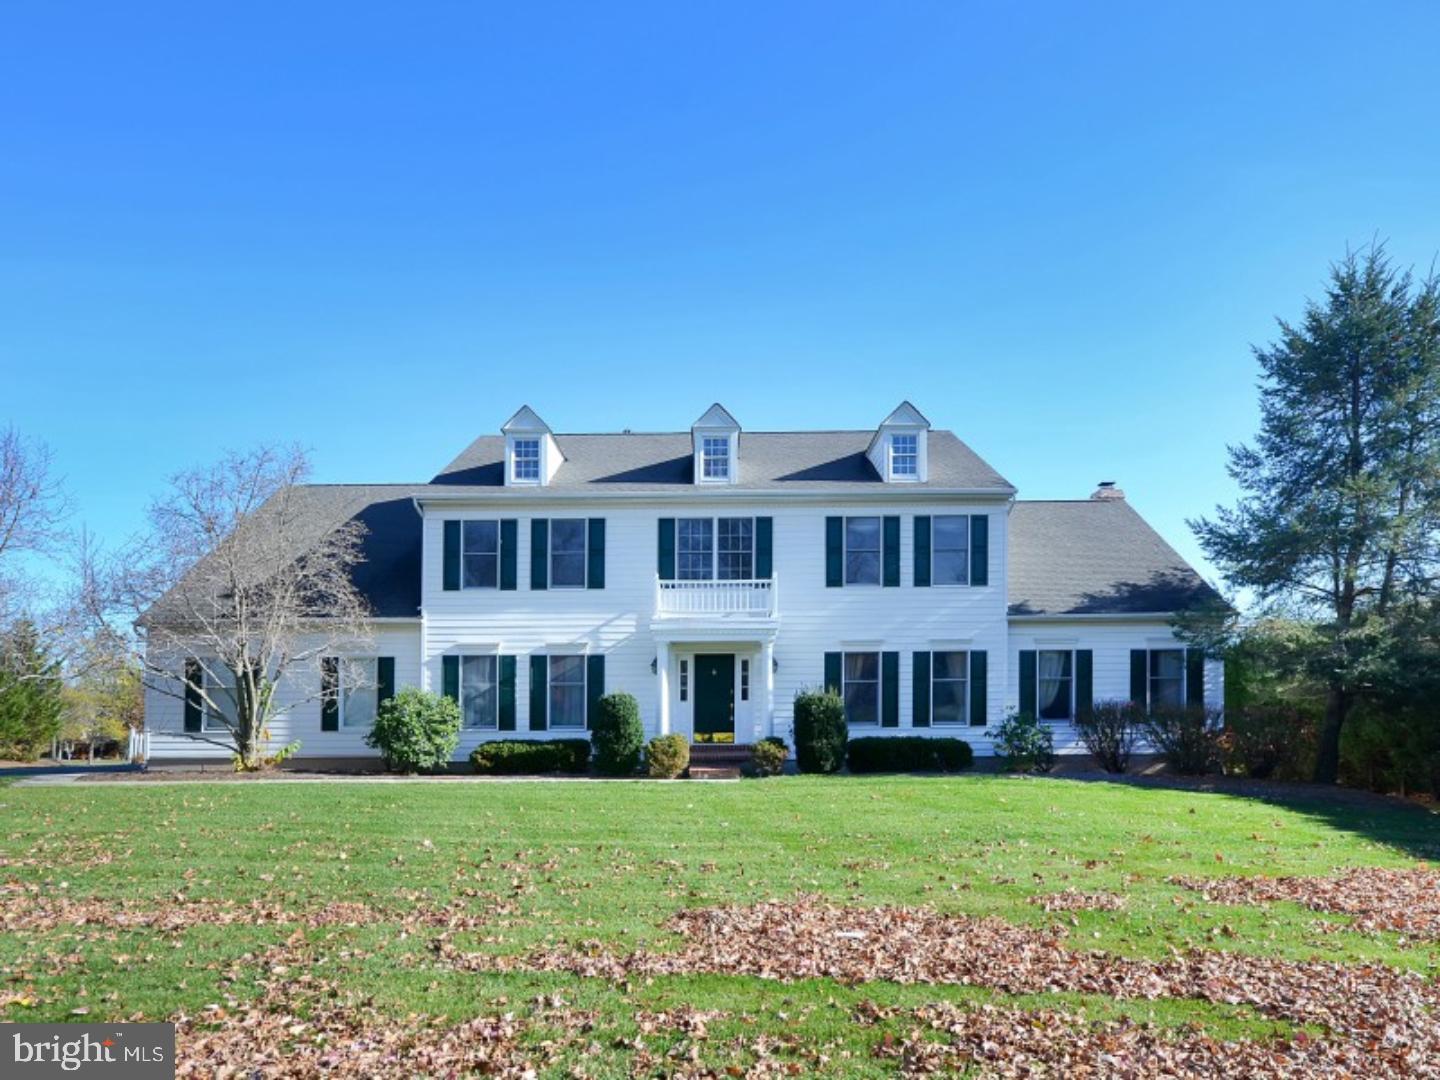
<point x="244" y="581"/>
<point x="33" y="508"/>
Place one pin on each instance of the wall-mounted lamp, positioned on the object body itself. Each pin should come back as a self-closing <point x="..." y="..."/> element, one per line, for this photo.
<point x="654" y="665"/>
<point x="774" y="664"/>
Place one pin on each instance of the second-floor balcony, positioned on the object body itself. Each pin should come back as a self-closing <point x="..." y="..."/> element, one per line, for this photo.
<point x="746" y="597"/>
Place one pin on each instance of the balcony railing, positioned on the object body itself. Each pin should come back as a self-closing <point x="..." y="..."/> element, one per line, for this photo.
<point x="750" y="596"/>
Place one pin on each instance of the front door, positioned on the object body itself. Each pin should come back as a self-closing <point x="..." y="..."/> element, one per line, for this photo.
<point x="715" y="697"/>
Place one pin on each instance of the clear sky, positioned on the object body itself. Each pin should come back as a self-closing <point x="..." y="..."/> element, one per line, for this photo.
<point x="379" y="229"/>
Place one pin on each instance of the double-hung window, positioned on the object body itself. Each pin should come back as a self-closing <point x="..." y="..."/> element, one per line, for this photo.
<point x="950" y="550"/>
<point x="480" y="554"/>
<point x="359" y="692"/>
<point x="526" y="465"/>
<point x="567" y="692"/>
<point x="861" y="688"/>
<point x="715" y="549"/>
<point x="1167" y="677"/>
<point x="904" y="457"/>
<point x="220" y="692"/>
<point x="567" y="553"/>
<point x="480" y="693"/>
<point x="949" y="678"/>
<point x="862" y="551"/>
<point x="715" y="457"/>
<point x="1055" y="677"/>
<point x="734" y="549"/>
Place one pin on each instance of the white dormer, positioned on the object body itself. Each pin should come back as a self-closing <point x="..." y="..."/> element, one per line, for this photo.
<point x="716" y="445"/>
<point x="532" y="457"/>
<point x="898" y="450"/>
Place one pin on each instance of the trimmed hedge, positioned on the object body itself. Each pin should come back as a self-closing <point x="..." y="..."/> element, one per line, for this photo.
<point x="667" y="756"/>
<point x="531" y="757"/>
<point x="617" y="735"/>
<point x="908" y="753"/>
<point x="820" y="731"/>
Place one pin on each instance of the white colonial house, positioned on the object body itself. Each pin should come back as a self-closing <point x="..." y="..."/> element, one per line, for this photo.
<point x="715" y="573"/>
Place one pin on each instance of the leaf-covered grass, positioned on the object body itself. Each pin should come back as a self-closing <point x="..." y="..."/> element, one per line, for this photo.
<point x="560" y="864"/>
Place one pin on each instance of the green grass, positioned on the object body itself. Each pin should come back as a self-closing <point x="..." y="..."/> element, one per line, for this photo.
<point x="610" y="862"/>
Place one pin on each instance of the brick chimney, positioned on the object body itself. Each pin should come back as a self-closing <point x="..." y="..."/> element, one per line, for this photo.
<point x="1107" y="490"/>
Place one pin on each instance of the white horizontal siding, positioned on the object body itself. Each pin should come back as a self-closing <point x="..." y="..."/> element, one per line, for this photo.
<point x="813" y="619"/>
<point x="298" y="706"/>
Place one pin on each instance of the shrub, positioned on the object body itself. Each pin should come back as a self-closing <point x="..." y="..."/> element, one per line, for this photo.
<point x="820" y="731"/>
<point x="1187" y="737"/>
<point x="416" y="731"/>
<point x="667" y="756"/>
<point x="1025" y="744"/>
<point x="617" y="735"/>
<point x="531" y="757"/>
<point x="1109" y="731"/>
<point x="1269" y="742"/>
<point x="767" y="757"/>
<point x="908" y="753"/>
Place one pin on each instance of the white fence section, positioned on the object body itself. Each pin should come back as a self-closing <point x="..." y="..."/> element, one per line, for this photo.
<point x="748" y="596"/>
<point x="139" y="746"/>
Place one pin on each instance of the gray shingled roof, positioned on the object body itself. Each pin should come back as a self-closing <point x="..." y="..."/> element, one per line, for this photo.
<point x="1095" y="557"/>
<point x="769" y="460"/>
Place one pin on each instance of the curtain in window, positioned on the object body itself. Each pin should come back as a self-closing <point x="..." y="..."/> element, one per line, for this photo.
<point x="1055" y="679"/>
<point x="479" y="692"/>
<point x="862" y="688"/>
<point x="567" y="691"/>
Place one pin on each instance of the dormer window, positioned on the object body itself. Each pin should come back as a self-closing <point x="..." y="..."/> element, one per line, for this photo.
<point x="904" y="457"/>
<point x="715" y="457"/>
<point x="526" y="467"/>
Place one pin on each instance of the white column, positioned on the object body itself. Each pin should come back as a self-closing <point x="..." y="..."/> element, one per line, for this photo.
<point x="767" y="680"/>
<point x="662" y="684"/>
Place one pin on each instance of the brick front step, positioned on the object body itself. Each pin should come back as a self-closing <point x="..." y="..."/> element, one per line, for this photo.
<point x="720" y="753"/>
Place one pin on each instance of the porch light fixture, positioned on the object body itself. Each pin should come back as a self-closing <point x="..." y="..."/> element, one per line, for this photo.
<point x="654" y="665"/>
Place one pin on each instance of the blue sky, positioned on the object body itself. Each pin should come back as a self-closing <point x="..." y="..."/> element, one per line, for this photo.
<point x="380" y="229"/>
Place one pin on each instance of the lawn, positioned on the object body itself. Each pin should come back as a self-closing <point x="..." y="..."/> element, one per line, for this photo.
<point x="523" y="871"/>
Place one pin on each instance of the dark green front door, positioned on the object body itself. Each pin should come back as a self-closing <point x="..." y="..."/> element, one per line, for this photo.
<point x="715" y="697"/>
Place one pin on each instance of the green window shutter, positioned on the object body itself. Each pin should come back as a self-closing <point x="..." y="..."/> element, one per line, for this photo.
<point x="764" y="547"/>
<point x="920" y="689"/>
<point x="889" y="689"/>
<point x="329" y="693"/>
<point x="890" y="551"/>
<point x="539" y="691"/>
<point x="508" y="533"/>
<point x="1084" y="683"/>
<point x="979" y="549"/>
<point x="594" y="687"/>
<point x="595" y="554"/>
<point x="539" y="553"/>
<point x="834" y="552"/>
<point x="833" y="665"/>
<point x="922" y="551"/>
<point x="979" y="688"/>
<point x="507" y="693"/>
<point x="384" y="679"/>
<point x="1139" y="678"/>
<point x="1027" y="683"/>
<point x="194" y="704"/>
<point x="666" y="550"/>
<point x="1195" y="678"/>
<point x="450" y="677"/>
<point x="451" y="568"/>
